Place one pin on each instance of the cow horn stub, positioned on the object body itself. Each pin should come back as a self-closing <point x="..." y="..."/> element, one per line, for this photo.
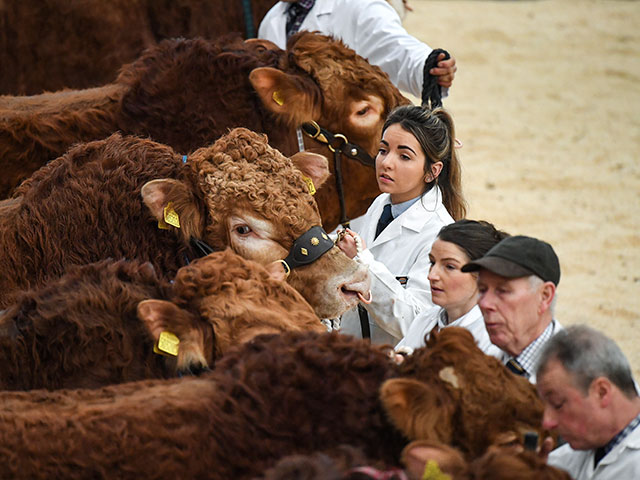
<point x="308" y="247"/>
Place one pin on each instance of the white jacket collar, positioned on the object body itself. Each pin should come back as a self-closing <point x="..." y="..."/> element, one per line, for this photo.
<point x="414" y="218"/>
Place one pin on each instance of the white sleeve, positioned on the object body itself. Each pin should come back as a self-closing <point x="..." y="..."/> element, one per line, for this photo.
<point x="380" y="37"/>
<point x="393" y="306"/>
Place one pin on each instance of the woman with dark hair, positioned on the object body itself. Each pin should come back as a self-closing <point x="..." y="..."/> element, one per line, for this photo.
<point x="418" y="172"/>
<point x="454" y="291"/>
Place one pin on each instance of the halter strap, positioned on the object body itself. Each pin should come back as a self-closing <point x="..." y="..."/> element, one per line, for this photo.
<point x="338" y="144"/>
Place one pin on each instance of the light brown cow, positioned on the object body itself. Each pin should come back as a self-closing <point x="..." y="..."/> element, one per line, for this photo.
<point x="98" y="324"/>
<point x="109" y="198"/>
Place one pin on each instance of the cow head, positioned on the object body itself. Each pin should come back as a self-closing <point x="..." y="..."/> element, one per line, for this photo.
<point x="322" y="80"/>
<point x="453" y="393"/>
<point x="258" y="203"/>
<point x="222" y="300"/>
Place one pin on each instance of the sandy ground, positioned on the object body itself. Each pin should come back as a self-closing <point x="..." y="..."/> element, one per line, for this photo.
<point x="547" y="103"/>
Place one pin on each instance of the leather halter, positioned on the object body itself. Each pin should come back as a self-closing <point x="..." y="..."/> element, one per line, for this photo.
<point x="307" y="248"/>
<point x="339" y="145"/>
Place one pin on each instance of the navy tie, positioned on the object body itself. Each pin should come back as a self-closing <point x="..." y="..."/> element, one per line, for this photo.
<point x="385" y="219"/>
<point x="515" y="367"/>
<point x="296" y="14"/>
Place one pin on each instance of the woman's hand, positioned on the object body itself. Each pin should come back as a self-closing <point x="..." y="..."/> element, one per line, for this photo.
<point x="350" y="242"/>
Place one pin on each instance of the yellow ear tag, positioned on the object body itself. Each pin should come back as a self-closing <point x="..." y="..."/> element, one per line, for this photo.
<point x="167" y="344"/>
<point x="277" y="97"/>
<point x="310" y="185"/>
<point x="171" y="216"/>
<point x="432" y="472"/>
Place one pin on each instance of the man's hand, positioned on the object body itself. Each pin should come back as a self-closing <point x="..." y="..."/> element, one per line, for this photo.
<point x="445" y="71"/>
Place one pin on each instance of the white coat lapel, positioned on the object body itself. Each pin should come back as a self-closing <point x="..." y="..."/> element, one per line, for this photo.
<point x="412" y="220"/>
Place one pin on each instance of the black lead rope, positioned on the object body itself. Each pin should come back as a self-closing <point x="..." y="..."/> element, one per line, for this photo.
<point x="337" y="164"/>
<point x="431" y="91"/>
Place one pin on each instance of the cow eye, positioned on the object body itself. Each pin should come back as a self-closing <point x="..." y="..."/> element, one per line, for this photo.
<point x="243" y="229"/>
<point x="363" y="111"/>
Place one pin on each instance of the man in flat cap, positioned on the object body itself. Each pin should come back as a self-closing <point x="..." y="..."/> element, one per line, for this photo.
<point x="517" y="282"/>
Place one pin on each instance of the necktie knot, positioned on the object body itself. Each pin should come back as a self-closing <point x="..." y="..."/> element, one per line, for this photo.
<point x="296" y="13"/>
<point x="385" y="219"/>
<point x="515" y="367"/>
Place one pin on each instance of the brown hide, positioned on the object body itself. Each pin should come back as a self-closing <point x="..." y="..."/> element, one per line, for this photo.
<point x="83" y="330"/>
<point x="88" y="205"/>
<point x="274" y="396"/>
<point x="471" y="400"/>
<point x="47" y="45"/>
<point x="187" y="93"/>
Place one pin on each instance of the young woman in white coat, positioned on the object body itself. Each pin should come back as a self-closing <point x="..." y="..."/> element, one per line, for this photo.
<point x="418" y="171"/>
<point x="454" y="292"/>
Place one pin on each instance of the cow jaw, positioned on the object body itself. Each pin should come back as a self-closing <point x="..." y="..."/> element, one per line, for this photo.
<point x="332" y="283"/>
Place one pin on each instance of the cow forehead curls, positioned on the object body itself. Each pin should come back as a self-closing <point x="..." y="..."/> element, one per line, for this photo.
<point x="240" y="170"/>
<point x="336" y="67"/>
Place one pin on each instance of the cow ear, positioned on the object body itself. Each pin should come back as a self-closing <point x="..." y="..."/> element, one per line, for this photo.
<point x="174" y="206"/>
<point x="312" y="165"/>
<point x="162" y="316"/>
<point x="155" y="315"/>
<point x="417" y="410"/>
<point x="285" y="94"/>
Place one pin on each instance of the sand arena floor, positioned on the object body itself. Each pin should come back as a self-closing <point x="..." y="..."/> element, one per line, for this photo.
<point x="547" y="103"/>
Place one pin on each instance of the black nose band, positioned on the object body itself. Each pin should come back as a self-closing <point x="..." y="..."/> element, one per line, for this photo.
<point x="307" y="248"/>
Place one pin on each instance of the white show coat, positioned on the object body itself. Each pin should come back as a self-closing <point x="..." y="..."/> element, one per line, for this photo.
<point x="472" y="321"/>
<point x="370" y="27"/>
<point x="623" y="462"/>
<point x="401" y="250"/>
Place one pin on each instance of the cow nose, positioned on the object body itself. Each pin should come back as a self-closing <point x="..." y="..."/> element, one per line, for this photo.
<point x="359" y="283"/>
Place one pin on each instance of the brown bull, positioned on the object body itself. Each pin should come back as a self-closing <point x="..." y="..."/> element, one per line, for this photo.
<point x="274" y="396"/>
<point x="98" y="324"/>
<point x="187" y="93"/>
<point x="47" y="45"/>
<point x="132" y="198"/>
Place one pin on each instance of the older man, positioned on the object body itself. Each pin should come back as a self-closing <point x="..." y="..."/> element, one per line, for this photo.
<point x="517" y="282"/>
<point x="591" y="401"/>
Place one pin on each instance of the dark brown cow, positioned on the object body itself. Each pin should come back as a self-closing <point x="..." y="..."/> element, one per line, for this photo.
<point x="457" y="379"/>
<point x="274" y="396"/>
<point x="97" y="325"/>
<point x="47" y="45"/>
<point x="187" y="93"/>
<point x="107" y="199"/>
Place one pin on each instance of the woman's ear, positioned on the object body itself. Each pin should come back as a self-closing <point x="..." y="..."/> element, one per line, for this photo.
<point x="436" y="168"/>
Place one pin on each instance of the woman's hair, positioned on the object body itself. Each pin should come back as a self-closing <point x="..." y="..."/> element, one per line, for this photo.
<point x="434" y="131"/>
<point x="475" y="238"/>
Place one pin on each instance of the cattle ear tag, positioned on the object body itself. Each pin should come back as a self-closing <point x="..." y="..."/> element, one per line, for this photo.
<point x="277" y="97"/>
<point x="171" y="216"/>
<point x="167" y="344"/>
<point x="432" y="472"/>
<point x="310" y="185"/>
